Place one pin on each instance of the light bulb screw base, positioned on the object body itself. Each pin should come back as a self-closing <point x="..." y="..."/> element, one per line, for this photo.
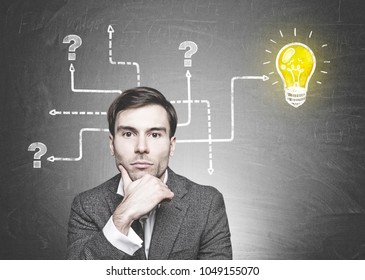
<point x="295" y="96"/>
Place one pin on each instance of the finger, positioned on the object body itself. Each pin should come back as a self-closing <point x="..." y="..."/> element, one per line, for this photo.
<point x="169" y="196"/>
<point x="125" y="176"/>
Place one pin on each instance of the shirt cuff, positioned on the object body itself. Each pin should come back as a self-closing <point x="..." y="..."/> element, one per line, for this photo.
<point x="129" y="244"/>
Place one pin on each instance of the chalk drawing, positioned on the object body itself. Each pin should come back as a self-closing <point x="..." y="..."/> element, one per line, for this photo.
<point x="230" y="139"/>
<point x="77" y="41"/>
<point x="111" y="31"/>
<point x="54" y="112"/>
<point x="295" y="63"/>
<point x="209" y="125"/>
<point x="53" y="158"/>
<point x="190" y="49"/>
<point x="73" y="89"/>
<point x="42" y="149"/>
<point x="188" y="101"/>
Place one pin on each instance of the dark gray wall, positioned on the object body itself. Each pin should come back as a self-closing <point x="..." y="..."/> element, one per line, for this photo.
<point x="293" y="178"/>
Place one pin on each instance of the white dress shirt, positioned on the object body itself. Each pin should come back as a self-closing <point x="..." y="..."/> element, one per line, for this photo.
<point x="131" y="242"/>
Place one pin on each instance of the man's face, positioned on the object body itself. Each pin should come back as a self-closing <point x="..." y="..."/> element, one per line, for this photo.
<point x="141" y="143"/>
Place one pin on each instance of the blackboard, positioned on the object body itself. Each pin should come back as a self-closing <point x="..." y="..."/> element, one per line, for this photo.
<point x="292" y="177"/>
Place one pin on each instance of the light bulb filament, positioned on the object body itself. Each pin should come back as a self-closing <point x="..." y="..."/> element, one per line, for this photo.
<point x="295" y="73"/>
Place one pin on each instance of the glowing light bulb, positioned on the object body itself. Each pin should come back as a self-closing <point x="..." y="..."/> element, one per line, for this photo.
<point x="295" y="63"/>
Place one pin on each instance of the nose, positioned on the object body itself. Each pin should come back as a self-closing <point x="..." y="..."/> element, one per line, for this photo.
<point x="142" y="145"/>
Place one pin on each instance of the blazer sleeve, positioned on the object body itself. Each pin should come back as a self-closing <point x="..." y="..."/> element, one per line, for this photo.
<point x="85" y="237"/>
<point x="216" y="238"/>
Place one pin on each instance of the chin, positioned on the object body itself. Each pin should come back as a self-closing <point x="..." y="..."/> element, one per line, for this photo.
<point x="138" y="174"/>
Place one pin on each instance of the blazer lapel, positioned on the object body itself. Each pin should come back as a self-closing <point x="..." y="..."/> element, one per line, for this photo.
<point x="169" y="217"/>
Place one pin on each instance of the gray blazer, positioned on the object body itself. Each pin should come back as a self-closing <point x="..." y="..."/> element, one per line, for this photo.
<point x="193" y="225"/>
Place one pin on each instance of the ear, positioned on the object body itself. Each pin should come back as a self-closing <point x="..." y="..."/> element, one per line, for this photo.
<point x="111" y="144"/>
<point x="172" y="145"/>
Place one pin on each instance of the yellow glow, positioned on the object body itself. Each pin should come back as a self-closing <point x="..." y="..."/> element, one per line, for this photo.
<point x="295" y="64"/>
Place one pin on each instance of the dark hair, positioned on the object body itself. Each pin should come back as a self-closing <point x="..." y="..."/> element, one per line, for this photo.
<point x="139" y="97"/>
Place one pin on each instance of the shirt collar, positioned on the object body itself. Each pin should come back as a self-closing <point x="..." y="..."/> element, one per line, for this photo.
<point x="120" y="190"/>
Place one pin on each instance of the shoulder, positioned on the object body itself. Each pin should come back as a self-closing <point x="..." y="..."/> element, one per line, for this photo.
<point x="198" y="199"/>
<point x="184" y="184"/>
<point x="95" y="206"/>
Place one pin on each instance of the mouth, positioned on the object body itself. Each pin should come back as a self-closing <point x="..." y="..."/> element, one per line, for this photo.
<point x="141" y="164"/>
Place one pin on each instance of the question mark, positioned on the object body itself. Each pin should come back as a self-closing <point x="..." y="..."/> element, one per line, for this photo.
<point x="193" y="48"/>
<point x="76" y="43"/>
<point x="42" y="150"/>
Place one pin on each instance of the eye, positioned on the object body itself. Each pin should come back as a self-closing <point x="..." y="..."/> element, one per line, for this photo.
<point x="127" y="134"/>
<point x="155" y="135"/>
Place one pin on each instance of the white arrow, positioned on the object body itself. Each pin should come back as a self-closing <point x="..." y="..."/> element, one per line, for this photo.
<point x="111" y="31"/>
<point x="209" y="125"/>
<point x="210" y="140"/>
<point x="188" y="101"/>
<point x="53" y="158"/>
<point x="54" y="112"/>
<point x="230" y="139"/>
<point x="263" y="78"/>
<point x="72" y="71"/>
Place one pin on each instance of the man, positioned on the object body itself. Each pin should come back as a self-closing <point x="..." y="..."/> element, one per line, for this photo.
<point x="147" y="211"/>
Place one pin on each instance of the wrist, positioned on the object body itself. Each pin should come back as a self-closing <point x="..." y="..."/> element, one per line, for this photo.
<point x="122" y="222"/>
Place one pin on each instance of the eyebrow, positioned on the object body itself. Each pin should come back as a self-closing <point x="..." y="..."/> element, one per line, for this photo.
<point x="121" y="127"/>
<point x="163" y="129"/>
<point x="131" y="128"/>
